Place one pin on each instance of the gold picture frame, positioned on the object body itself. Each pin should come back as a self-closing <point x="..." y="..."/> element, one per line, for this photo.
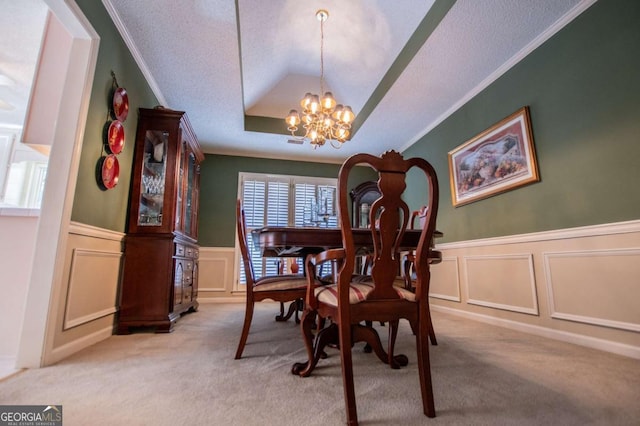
<point x="497" y="160"/>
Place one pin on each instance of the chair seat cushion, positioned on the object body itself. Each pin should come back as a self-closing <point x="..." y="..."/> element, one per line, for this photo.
<point x="358" y="291"/>
<point x="357" y="278"/>
<point x="280" y="282"/>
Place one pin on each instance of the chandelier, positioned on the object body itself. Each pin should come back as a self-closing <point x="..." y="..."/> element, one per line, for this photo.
<point x="323" y="119"/>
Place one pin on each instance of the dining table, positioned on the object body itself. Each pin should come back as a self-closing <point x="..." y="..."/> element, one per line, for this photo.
<point x="289" y="241"/>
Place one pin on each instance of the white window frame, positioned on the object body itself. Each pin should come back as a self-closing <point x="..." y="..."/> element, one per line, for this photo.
<point x="291" y="181"/>
<point x="23" y="171"/>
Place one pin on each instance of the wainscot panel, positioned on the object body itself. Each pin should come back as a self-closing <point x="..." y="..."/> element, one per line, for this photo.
<point x="445" y="280"/>
<point x="86" y="302"/>
<point x="88" y="298"/>
<point x="502" y="282"/>
<point x="581" y="284"/>
<point x="217" y="275"/>
<point x="590" y="287"/>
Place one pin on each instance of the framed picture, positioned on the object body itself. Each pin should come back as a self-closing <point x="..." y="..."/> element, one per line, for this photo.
<point x="497" y="160"/>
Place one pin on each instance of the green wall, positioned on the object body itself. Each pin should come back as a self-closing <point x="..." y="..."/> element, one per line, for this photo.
<point x="93" y="206"/>
<point x="219" y="178"/>
<point x="583" y="90"/>
<point x="219" y="190"/>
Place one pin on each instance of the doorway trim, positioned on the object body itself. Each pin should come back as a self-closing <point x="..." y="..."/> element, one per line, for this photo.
<point x="45" y="284"/>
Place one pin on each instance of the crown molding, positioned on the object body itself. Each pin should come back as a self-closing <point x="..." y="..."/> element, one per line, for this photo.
<point x="134" y="51"/>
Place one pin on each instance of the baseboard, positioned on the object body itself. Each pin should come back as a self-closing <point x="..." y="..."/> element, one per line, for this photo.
<point x="8" y="367"/>
<point x="222" y="299"/>
<point x="577" y="339"/>
<point x="62" y="352"/>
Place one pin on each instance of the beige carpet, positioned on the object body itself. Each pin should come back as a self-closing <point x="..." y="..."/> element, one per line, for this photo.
<point x="483" y="375"/>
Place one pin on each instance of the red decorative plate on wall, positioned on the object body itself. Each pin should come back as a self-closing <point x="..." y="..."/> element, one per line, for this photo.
<point x="120" y="104"/>
<point x="110" y="171"/>
<point x="115" y="137"/>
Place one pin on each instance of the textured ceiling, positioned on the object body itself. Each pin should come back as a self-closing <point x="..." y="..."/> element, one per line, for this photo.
<point x="238" y="67"/>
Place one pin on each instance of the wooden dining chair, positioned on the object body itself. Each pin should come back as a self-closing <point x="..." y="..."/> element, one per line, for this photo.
<point x="279" y="288"/>
<point x="348" y="304"/>
<point x="409" y="261"/>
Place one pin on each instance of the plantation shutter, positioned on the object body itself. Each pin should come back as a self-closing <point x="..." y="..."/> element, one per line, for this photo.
<point x="277" y="215"/>
<point x="253" y="202"/>
<point x="277" y="200"/>
<point x="304" y="193"/>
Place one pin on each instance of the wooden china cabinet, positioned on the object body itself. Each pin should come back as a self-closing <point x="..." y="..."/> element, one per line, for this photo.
<point x="362" y="196"/>
<point x="160" y="277"/>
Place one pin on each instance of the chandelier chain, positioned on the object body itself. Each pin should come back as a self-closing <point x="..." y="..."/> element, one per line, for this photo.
<point x="322" y="56"/>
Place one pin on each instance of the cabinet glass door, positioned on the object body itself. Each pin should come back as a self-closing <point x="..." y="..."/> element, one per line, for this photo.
<point x="188" y="215"/>
<point x="180" y="193"/>
<point x="152" y="184"/>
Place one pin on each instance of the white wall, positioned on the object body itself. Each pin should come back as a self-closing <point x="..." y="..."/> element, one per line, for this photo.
<point x="17" y="243"/>
<point x="45" y="283"/>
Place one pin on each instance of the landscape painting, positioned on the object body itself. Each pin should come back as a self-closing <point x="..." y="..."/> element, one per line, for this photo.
<point x="499" y="159"/>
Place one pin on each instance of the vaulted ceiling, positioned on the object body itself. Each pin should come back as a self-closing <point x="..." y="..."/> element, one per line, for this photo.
<point x="238" y="67"/>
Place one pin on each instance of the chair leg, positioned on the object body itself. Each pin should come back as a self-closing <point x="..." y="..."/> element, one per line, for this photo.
<point x="424" y="368"/>
<point x="432" y="332"/>
<point x="248" y="316"/>
<point x="315" y="351"/>
<point x="320" y="322"/>
<point x="347" y="373"/>
<point x="299" y="308"/>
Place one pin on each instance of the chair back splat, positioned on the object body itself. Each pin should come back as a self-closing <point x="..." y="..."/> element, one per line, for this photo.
<point x="380" y="297"/>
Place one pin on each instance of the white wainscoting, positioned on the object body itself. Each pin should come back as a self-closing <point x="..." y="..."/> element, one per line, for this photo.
<point x="86" y="302"/>
<point x="580" y="285"/>
<point x="502" y="281"/>
<point x="216" y="276"/>
<point x="445" y="280"/>
<point x="88" y="297"/>
<point x="595" y="287"/>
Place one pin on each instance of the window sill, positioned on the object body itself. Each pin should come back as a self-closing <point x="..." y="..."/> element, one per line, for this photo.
<point x="19" y="211"/>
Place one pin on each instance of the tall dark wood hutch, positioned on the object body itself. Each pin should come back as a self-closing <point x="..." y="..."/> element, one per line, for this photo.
<point x="362" y="196"/>
<point x="160" y="277"/>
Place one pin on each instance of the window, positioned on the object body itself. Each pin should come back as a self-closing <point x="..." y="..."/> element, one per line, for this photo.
<point x="23" y="163"/>
<point x="280" y="200"/>
<point x="22" y="171"/>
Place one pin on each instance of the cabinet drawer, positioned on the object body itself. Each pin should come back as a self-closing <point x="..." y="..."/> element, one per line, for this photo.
<point x="191" y="252"/>
<point x="188" y="266"/>
<point x="180" y="250"/>
<point x="187" y="295"/>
